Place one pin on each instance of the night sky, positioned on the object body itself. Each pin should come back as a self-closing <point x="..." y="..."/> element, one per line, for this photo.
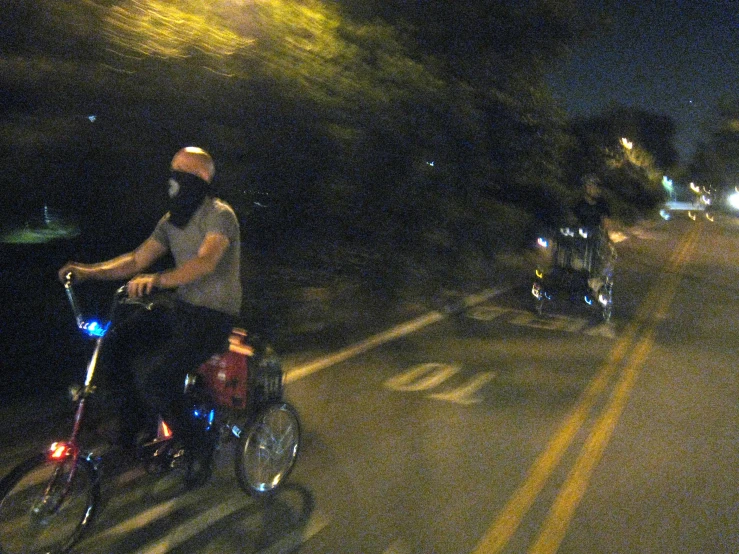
<point x="676" y="57"/>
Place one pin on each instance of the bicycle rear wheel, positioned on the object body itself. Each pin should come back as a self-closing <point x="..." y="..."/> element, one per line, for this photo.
<point x="267" y="449"/>
<point x="45" y="505"/>
<point x="605" y="299"/>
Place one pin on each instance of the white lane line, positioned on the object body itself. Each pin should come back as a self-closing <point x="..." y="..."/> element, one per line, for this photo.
<point x="197" y="525"/>
<point x="396" y="332"/>
<point x="141" y="519"/>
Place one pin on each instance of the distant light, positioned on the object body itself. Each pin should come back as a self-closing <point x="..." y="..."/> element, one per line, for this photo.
<point x="626" y="143"/>
<point x="92" y="118"/>
<point x="733" y="200"/>
<point x="431" y="163"/>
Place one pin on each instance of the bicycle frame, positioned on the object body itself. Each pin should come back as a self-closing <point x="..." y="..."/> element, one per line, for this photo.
<point x="53" y="496"/>
<point x="570" y="258"/>
<point x="59" y="451"/>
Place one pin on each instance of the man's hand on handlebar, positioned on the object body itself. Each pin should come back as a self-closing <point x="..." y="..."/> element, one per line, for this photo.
<point x="142" y="285"/>
<point x="79" y="272"/>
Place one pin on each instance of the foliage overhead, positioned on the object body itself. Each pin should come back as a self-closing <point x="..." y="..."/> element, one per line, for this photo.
<point x="359" y="124"/>
<point x="631" y="149"/>
<point x="716" y="162"/>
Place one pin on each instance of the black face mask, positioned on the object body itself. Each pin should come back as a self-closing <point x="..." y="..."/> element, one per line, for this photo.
<point x="186" y="194"/>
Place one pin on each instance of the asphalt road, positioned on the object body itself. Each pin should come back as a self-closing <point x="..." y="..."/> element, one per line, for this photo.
<point x="486" y="429"/>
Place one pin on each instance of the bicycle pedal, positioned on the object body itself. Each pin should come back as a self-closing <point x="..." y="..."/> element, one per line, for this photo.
<point x="162" y="456"/>
<point x="153" y="443"/>
<point x="177" y="458"/>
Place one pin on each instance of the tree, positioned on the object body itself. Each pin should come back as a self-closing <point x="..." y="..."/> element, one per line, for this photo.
<point x="715" y="164"/>
<point x="362" y="125"/>
<point x="631" y="149"/>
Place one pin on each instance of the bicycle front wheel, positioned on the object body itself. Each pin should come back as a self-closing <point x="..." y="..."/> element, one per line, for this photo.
<point x="267" y="449"/>
<point x="45" y="505"/>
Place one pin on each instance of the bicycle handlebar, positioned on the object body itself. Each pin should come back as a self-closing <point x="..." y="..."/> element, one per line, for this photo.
<point x="91" y="328"/>
<point x="73" y="299"/>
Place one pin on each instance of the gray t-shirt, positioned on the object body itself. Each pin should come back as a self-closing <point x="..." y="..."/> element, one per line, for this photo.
<point x="220" y="290"/>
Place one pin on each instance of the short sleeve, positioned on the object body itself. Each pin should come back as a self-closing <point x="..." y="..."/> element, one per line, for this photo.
<point x="223" y="221"/>
<point x="160" y="233"/>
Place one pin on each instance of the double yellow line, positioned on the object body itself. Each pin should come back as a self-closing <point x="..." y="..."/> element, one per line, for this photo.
<point x="637" y="340"/>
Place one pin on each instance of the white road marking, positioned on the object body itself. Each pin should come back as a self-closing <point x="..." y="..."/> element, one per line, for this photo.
<point x="158" y="512"/>
<point x="381" y="338"/>
<point x="553" y="322"/>
<point x="466" y="394"/>
<point x="549" y="322"/>
<point x="604" y="329"/>
<point x="196" y="525"/>
<point x="422" y="377"/>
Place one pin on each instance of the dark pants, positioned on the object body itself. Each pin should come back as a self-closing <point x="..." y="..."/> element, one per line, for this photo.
<point x="152" y="353"/>
<point x="604" y="257"/>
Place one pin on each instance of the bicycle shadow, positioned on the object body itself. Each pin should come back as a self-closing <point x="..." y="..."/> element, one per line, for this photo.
<point x="150" y="510"/>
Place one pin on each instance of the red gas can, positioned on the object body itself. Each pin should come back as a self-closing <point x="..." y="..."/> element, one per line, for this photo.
<point x="226" y="374"/>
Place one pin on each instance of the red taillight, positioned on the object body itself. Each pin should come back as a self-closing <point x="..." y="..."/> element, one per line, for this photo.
<point x="59" y="451"/>
<point x="164" y="431"/>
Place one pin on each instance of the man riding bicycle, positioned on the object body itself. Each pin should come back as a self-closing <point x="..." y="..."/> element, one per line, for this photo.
<point x="593" y="213"/>
<point x="202" y="234"/>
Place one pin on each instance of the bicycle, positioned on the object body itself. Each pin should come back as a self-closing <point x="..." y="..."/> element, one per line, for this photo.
<point x="48" y="501"/>
<point x="578" y="263"/>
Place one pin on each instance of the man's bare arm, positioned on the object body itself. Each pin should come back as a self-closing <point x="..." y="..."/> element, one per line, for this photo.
<point x="120" y="267"/>
<point x="209" y="254"/>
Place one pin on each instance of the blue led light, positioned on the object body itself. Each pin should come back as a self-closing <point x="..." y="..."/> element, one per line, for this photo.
<point x="94" y="328"/>
<point x="208" y="416"/>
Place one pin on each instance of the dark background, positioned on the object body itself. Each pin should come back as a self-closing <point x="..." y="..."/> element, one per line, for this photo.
<point x="377" y="153"/>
